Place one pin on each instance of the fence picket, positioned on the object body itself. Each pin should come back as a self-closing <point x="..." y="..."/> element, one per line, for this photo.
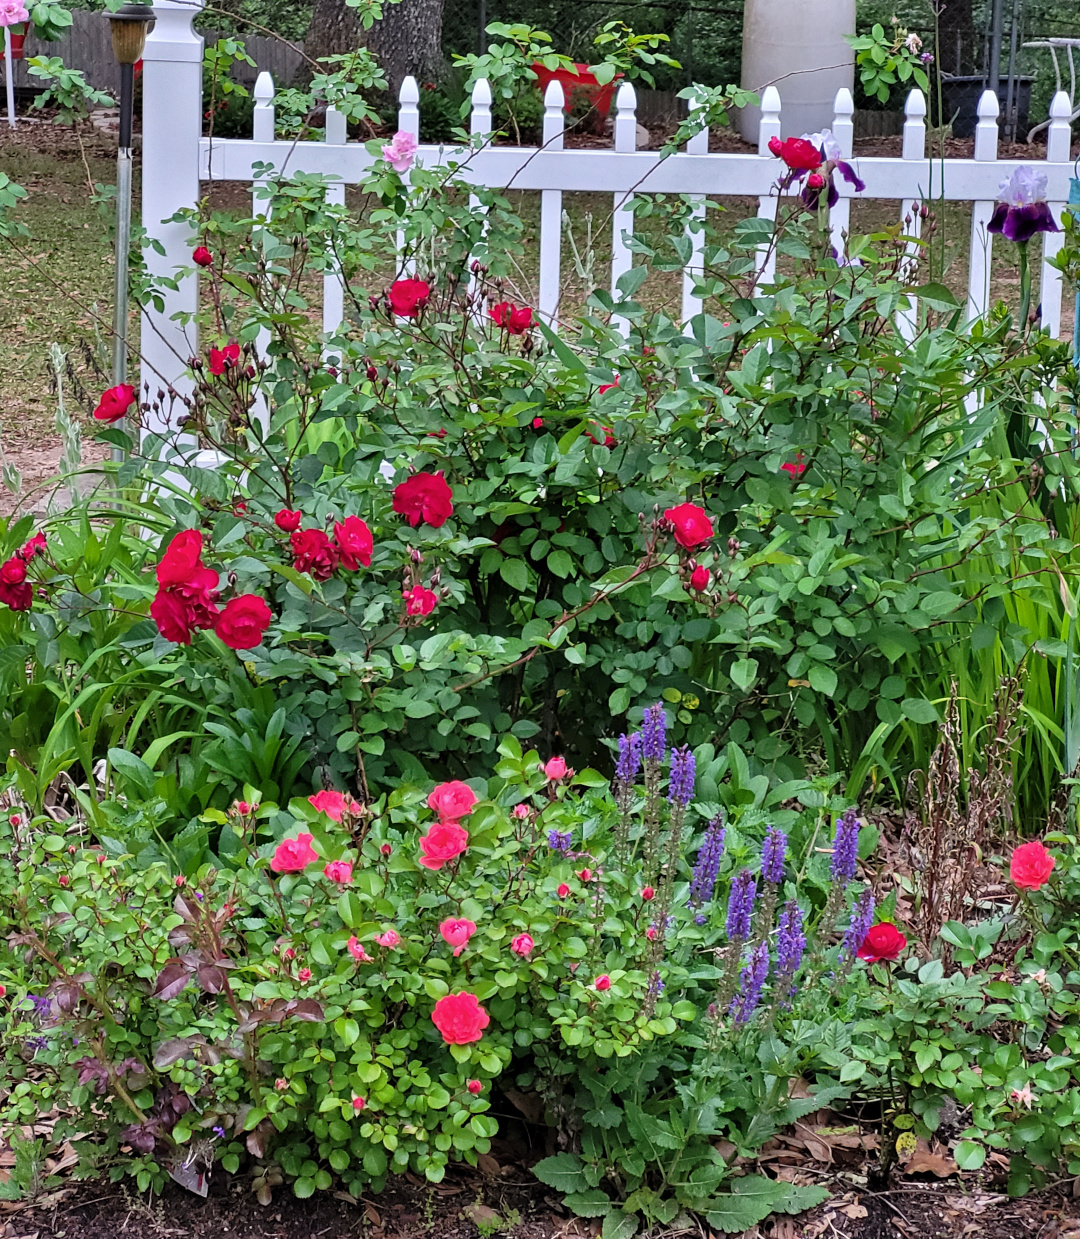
<point x="408" y="122"/>
<point x="333" y="288"/>
<point x="551" y="209"/>
<point x="691" y="305"/>
<point x="986" y="151"/>
<point x="622" y="259"/>
<point x="1058" y="144"/>
<point x="480" y="126"/>
<point x="768" y="203"/>
<point x="914" y="150"/>
<point x="843" y="130"/>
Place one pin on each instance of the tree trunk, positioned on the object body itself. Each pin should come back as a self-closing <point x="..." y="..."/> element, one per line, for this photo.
<point x="406" y="40"/>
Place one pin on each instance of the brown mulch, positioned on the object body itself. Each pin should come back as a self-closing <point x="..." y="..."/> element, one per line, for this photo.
<point x="513" y="1204"/>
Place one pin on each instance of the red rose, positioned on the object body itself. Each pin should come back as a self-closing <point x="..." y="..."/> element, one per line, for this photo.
<point x="452" y="801"/>
<point x="182" y="559"/>
<point x="693" y="525"/>
<point x="288" y="522"/>
<point x="314" y="553"/>
<point x="17" y="597"/>
<point x="222" y="358"/>
<point x="354" y="543"/>
<point x="243" y="622"/>
<point x="475" y="1087"/>
<point x="515" y="319"/>
<point x="419" y="601"/>
<point x="608" y="386"/>
<point x="202" y="257"/>
<point x="443" y="842"/>
<point x="699" y="579"/>
<point x="799" y="154"/>
<point x="36" y="546"/>
<point x="424" y="496"/>
<point x="460" y="1018"/>
<point x="884" y="941"/>
<point x="13" y="572"/>
<point x="172" y="616"/>
<point x="795" y="468"/>
<point x="115" y="402"/>
<point x="199" y="596"/>
<point x="1031" y="866"/>
<point x="408" y="297"/>
<point x="292" y="855"/>
<point x="609" y="438"/>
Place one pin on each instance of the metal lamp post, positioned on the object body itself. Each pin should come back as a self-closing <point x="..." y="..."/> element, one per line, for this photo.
<point x="129" y="27"/>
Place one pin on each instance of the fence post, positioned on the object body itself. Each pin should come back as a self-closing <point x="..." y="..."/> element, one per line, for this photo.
<point x="767" y="206"/>
<point x="691" y="305"/>
<point x="986" y="144"/>
<point x="551" y="209"/>
<point x="480" y="126"/>
<point x="622" y="258"/>
<point x="1058" y="143"/>
<point x="172" y="129"/>
<point x="333" y="285"/>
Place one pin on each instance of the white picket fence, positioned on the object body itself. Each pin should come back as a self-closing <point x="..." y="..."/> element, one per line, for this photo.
<point x="177" y="159"/>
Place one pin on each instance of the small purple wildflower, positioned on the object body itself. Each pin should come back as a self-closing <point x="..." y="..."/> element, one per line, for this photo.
<point x="773" y="851"/>
<point x="219" y="1132"/>
<point x="741" y="906"/>
<point x="654" y="733"/>
<point x="681" y="779"/>
<point x="42" y="1006"/>
<point x="36" y="1043"/>
<point x="703" y="879"/>
<point x="700" y="918"/>
<point x="790" y="948"/>
<point x="862" y="917"/>
<point x="560" y="840"/>
<point x="845" y="855"/>
<point x="629" y="763"/>
<point x="656" y="985"/>
<point x="751" y="983"/>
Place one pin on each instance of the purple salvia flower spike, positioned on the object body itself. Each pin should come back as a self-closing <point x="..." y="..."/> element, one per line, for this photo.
<point x="629" y="763"/>
<point x="741" y="906"/>
<point x="751" y="983"/>
<point x="790" y="949"/>
<point x="681" y="780"/>
<point x="845" y="855"/>
<point x="707" y="867"/>
<point x="862" y="917"/>
<point x="654" y="733"/>
<point x="773" y="851"/>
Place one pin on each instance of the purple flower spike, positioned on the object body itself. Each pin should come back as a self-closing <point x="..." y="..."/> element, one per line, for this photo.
<point x="654" y="733"/>
<point x="681" y="780"/>
<point x="560" y="840"/>
<point x="707" y="868"/>
<point x="629" y="763"/>
<point x="845" y="855"/>
<point x="741" y="906"/>
<point x="773" y="851"/>
<point x="1021" y="209"/>
<point x="790" y="948"/>
<point x="751" y="983"/>
<point x="862" y="917"/>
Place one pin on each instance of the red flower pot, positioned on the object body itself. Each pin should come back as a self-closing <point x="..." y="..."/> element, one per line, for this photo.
<point x="17" y="48"/>
<point x="576" y="84"/>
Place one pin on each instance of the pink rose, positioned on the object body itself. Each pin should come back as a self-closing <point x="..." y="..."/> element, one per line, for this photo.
<point x="563" y="890"/>
<point x="389" y="939"/>
<point x="460" y="1018"/>
<point x="304" y="976"/>
<point x="358" y="1103"/>
<point x="339" y="871"/>
<point x="357" y="951"/>
<point x="452" y="801"/>
<point x="602" y="983"/>
<point x="456" y="932"/>
<point x="400" y="151"/>
<point x="522" y="945"/>
<point x="475" y="1087"/>
<point x="443" y="842"/>
<point x="555" y="768"/>
<point x="334" y="804"/>
<point x="292" y="855"/>
<point x="521" y="811"/>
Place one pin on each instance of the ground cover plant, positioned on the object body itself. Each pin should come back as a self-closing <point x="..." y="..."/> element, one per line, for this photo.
<point x="492" y="716"/>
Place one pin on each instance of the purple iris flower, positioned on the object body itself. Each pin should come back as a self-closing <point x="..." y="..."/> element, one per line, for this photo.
<point x="822" y="179"/>
<point x="1021" y="209"/>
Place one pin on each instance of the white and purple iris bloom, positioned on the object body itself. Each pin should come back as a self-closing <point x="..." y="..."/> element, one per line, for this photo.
<point x="833" y="161"/>
<point x="1021" y="209"/>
